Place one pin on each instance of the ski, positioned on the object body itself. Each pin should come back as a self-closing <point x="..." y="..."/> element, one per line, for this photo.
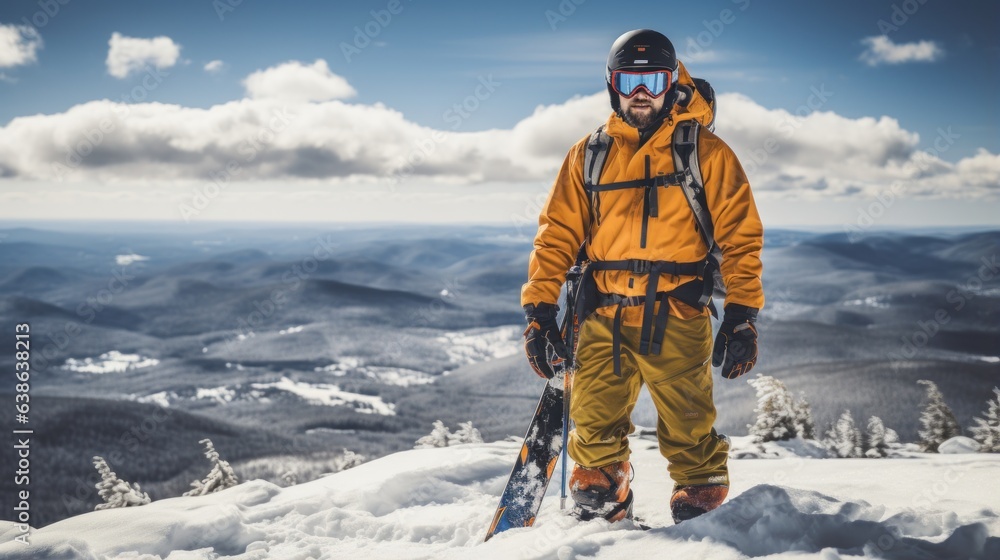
<point x="529" y="479"/>
<point x="545" y="440"/>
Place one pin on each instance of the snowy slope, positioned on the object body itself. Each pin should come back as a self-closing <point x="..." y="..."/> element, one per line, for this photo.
<point x="436" y="503"/>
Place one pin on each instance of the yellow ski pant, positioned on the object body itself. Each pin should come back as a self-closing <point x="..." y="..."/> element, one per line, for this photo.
<point x="680" y="383"/>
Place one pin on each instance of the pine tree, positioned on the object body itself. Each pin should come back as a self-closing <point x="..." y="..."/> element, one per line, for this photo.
<point x="844" y="438"/>
<point x="219" y="478"/>
<point x="938" y="421"/>
<point x="437" y="438"/>
<point x="987" y="430"/>
<point x="879" y="438"/>
<point x="115" y="492"/>
<point x="465" y="434"/>
<point x="348" y="460"/>
<point x="775" y="411"/>
<point x="805" y="428"/>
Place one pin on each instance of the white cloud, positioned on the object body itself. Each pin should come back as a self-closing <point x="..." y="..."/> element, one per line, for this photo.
<point x="980" y="170"/>
<point x="881" y="50"/>
<point x="823" y="153"/>
<point x="274" y="136"/>
<point x="294" y="81"/>
<point x="131" y="54"/>
<point x="19" y="45"/>
<point x="701" y="57"/>
<point x="215" y="66"/>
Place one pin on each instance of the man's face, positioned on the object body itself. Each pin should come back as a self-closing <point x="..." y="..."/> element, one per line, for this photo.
<point x="640" y="108"/>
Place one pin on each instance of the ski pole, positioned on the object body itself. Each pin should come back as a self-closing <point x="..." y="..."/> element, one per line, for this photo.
<point x="569" y="328"/>
<point x="565" y="437"/>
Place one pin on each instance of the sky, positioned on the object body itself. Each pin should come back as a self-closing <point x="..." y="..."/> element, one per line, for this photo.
<point x="883" y="114"/>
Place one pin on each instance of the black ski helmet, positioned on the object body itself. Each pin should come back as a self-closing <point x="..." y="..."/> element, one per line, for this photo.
<point x="640" y="49"/>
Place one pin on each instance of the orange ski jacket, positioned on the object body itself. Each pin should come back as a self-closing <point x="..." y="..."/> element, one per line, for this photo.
<point x="613" y="226"/>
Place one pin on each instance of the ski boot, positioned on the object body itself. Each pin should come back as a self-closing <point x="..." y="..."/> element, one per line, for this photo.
<point x="602" y="492"/>
<point x="691" y="501"/>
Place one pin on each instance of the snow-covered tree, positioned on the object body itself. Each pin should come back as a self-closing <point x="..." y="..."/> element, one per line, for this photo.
<point x="879" y="438"/>
<point x="937" y="420"/>
<point x="805" y="428"/>
<point x="441" y="436"/>
<point x="987" y="430"/>
<point x="844" y="438"/>
<point x="775" y="410"/>
<point x="437" y="438"/>
<point x="465" y="434"/>
<point x="115" y="492"/>
<point x="219" y="478"/>
<point x="348" y="460"/>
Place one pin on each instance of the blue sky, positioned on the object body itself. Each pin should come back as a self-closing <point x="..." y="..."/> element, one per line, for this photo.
<point x="430" y="56"/>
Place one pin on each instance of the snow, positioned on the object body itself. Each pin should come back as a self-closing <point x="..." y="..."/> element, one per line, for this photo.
<point x="221" y="395"/>
<point x="879" y="302"/>
<point x="786" y="309"/>
<point x="110" y="362"/>
<point x="959" y="444"/>
<point x="480" y="345"/>
<point x="343" y="366"/>
<point x="331" y="395"/>
<point x="401" y="377"/>
<point x="292" y="330"/>
<point x="744" y="447"/>
<point x="125" y="260"/>
<point x="161" y="398"/>
<point x="437" y="503"/>
<point x="311" y="431"/>
<point x="313" y="393"/>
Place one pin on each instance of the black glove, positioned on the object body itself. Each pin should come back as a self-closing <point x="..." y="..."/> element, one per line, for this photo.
<point x="541" y="335"/>
<point x="736" y="344"/>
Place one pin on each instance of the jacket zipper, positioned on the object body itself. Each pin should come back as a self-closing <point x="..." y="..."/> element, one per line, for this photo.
<point x="646" y="207"/>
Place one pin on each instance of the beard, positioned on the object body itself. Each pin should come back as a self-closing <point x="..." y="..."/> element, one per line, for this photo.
<point x="642" y="119"/>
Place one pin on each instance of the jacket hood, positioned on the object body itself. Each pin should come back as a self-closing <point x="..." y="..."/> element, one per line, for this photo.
<point x="688" y="104"/>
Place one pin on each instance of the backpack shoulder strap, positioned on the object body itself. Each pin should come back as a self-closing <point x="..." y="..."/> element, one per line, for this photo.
<point x="685" y="149"/>
<point x="597" y="154"/>
<point x="593" y="164"/>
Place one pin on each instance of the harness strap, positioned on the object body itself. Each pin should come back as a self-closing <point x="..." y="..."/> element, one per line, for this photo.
<point x="654" y="324"/>
<point x="642" y="266"/>
<point x="658" y="181"/>
<point x="650" y="340"/>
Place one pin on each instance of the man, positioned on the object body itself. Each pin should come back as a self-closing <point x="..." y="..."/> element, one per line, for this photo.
<point x="640" y="227"/>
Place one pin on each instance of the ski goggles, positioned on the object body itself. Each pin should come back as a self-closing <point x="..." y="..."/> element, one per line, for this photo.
<point x="628" y="83"/>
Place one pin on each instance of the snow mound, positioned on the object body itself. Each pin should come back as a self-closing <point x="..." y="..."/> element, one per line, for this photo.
<point x="773" y="520"/>
<point x="744" y="447"/>
<point x="437" y="503"/>
<point x="959" y="444"/>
